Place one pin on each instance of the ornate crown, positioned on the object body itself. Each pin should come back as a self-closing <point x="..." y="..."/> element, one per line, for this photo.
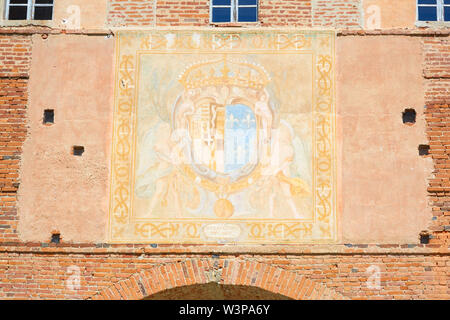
<point x="224" y="72"/>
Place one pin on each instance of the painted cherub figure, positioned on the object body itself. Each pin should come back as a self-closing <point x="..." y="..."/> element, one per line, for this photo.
<point x="262" y="110"/>
<point x="185" y="108"/>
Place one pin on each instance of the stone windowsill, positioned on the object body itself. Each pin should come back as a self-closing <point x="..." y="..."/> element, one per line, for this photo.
<point x="27" y="23"/>
<point x="235" y="24"/>
<point x="432" y="24"/>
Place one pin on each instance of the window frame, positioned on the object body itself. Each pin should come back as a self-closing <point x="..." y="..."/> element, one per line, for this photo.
<point x="444" y="5"/>
<point x="30" y="5"/>
<point x="234" y="12"/>
<point x="440" y="15"/>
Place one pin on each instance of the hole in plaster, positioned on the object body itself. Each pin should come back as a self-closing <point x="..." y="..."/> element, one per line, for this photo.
<point x="409" y="116"/>
<point x="56" y="237"/>
<point x="424" y="237"/>
<point x="49" y="116"/>
<point x="424" y="150"/>
<point x="78" y="150"/>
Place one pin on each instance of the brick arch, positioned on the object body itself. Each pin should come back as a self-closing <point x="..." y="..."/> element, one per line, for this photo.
<point x="227" y="272"/>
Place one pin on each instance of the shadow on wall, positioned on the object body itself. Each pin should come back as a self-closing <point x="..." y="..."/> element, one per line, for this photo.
<point x="215" y="291"/>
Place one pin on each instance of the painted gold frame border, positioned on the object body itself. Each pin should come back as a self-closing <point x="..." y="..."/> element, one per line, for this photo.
<point x="130" y="45"/>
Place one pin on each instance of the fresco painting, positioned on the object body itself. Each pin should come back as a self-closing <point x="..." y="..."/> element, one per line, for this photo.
<point x="224" y="137"/>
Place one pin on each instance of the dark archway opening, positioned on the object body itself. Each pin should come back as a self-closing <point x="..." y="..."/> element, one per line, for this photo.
<point x="214" y="291"/>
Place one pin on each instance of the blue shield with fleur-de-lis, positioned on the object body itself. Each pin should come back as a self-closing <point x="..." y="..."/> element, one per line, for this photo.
<point x="240" y="138"/>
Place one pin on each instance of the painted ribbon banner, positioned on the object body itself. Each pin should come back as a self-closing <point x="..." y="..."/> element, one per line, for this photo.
<point x="224" y="136"/>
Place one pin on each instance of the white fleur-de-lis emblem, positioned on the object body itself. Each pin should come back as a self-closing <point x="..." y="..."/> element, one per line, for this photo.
<point x="248" y="120"/>
<point x="232" y="120"/>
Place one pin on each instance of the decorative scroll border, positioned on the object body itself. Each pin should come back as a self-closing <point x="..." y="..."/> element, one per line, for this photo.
<point x="131" y="44"/>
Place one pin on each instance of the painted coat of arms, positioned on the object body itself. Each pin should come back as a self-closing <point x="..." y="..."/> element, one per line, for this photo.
<point x="224" y="137"/>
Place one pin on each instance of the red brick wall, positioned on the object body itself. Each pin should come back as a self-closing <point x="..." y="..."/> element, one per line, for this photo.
<point x="438" y="131"/>
<point x="341" y="14"/>
<point x="13" y="101"/>
<point x="437" y="113"/>
<point x="45" y="273"/>
<point x="437" y="91"/>
<point x="285" y="13"/>
<point x="437" y="70"/>
<point x="15" y="57"/>
<point x="131" y="13"/>
<point x="437" y="57"/>
<point x="179" y="13"/>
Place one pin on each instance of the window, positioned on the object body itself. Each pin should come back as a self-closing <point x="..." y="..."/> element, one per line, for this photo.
<point x="433" y="10"/>
<point x="29" y="10"/>
<point x="234" y="11"/>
